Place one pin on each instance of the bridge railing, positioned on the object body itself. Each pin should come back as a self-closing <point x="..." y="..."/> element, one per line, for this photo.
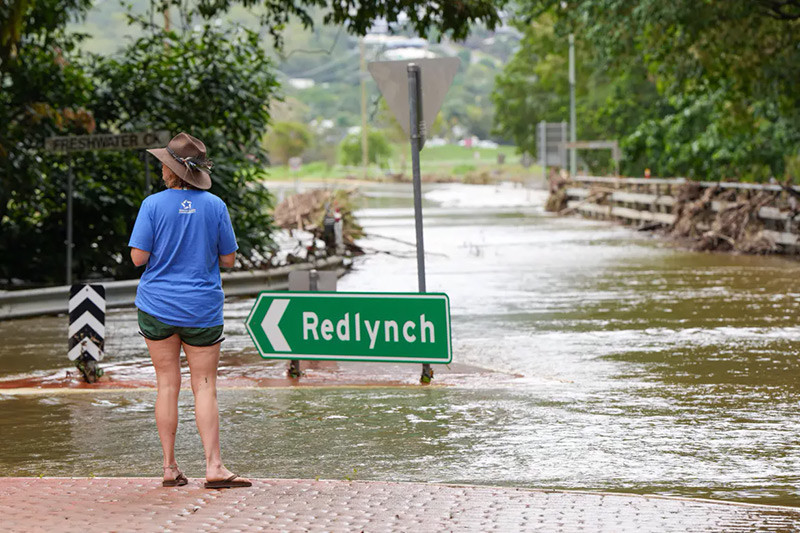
<point x="652" y="201"/>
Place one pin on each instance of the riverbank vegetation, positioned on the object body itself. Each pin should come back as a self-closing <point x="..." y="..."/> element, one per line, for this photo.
<point x="706" y="90"/>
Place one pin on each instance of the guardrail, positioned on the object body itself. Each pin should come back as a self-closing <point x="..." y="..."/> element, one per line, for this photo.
<point x="54" y="300"/>
<point x="652" y="201"/>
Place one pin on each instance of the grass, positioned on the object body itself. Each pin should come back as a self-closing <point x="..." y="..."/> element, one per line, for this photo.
<point x="451" y="155"/>
<point x="437" y="163"/>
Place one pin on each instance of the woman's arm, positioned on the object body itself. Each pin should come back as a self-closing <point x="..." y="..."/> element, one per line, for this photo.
<point x="139" y="257"/>
<point x="227" y="260"/>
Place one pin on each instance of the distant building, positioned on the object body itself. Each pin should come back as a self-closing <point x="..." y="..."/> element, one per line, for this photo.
<point x="396" y="54"/>
<point x="394" y="41"/>
<point x="301" y="83"/>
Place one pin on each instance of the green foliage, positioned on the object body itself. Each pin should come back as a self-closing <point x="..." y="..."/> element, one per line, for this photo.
<point x="462" y="169"/>
<point x="45" y="91"/>
<point x="206" y="83"/>
<point x="214" y="86"/>
<point x="378" y="151"/>
<point x="21" y="19"/>
<point x="214" y="83"/>
<point x="286" y="140"/>
<point x="705" y="89"/>
<point x="534" y="87"/>
<point x="468" y="101"/>
<point x="423" y="16"/>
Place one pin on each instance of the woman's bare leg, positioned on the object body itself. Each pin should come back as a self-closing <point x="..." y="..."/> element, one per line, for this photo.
<point x="166" y="356"/>
<point x="203" y="363"/>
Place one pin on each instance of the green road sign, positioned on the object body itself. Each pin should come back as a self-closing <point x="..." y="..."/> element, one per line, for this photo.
<point x="352" y="326"/>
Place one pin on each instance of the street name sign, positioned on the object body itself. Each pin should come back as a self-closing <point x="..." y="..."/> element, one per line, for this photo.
<point x="352" y="326"/>
<point x="392" y="78"/>
<point x="120" y="141"/>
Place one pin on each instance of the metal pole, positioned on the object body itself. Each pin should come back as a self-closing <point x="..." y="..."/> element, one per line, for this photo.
<point x="313" y="286"/>
<point x="573" y="152"/>
<point x="364" y="138"/>
<point x="69" y="222"/>
<point x="413" y="92"/>
<point x="542" y="140"/>
<point x="147" y="184"/>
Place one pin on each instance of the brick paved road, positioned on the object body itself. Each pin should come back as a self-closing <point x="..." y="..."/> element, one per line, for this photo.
<point x="140" y="504"/>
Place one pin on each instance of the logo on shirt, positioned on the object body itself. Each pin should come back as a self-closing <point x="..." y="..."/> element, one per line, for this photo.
<point x="186" y="208"/>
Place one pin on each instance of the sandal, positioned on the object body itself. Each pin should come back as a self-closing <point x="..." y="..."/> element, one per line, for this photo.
<point x="229" y="483"/>
<point x="179" y="481"/>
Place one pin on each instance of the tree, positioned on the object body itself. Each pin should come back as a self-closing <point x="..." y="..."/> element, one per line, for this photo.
<point x="378" y="152"/>
<point x="533" y="87"/>
<point x="286" y="140"/>
<point x="452" y="18"/>
<point x="19" y="18"/>
<point x="46" y="91"/>
<point x="215" y="84"/>
<point x="727" y="76"/>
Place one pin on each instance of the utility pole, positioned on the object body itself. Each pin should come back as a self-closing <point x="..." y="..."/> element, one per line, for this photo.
<point x="364" y="139"/>
<point x="167" y="26"/>
<point x="573" y="152"/>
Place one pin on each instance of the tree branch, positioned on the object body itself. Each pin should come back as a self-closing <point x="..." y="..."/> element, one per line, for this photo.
<point x="781" y="9"/>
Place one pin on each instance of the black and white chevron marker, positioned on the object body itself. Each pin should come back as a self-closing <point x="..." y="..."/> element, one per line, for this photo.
<point x="87" y="321"/>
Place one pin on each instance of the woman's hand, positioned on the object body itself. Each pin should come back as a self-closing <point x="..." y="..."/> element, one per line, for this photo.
<point x="139" y="257"/>
<point x="227" y="260"/>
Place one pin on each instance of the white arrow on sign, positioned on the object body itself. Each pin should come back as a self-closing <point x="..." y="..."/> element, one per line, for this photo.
<point x="392" y="80"/>
<point x="270" y="325"/>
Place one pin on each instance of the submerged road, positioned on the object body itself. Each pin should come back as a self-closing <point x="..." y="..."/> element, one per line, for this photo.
<point x="616" y="363"/>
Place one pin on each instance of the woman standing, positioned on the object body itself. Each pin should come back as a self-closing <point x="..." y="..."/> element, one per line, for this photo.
<point x="184" y="235"/>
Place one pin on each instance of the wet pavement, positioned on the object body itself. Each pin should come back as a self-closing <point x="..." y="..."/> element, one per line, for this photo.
<point x="139" y="504"/>
<point x="599" y="359"/>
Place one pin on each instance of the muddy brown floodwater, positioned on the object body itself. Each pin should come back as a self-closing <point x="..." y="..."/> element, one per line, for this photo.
<point x="622" y="364"/>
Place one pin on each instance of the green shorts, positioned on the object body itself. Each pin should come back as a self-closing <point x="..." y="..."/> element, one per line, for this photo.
<point x="152" y="328"/>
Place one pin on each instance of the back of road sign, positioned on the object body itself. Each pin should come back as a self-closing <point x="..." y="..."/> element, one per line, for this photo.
<point x="550" y="139"/>
<point x="346" y="326"/>
<point x="392" y="80"/>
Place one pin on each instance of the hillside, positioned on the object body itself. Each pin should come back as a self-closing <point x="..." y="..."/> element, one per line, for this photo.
<point x="319" y="68"/>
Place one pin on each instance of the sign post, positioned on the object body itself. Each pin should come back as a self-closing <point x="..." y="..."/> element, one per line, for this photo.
<point x="417" y="142"/>
<point x="70" y="180"/>
<point x="85" y="143"/>
<point x="147" y="185"/>
<point x="550" y="140"/>
<point x="87" y="329"/>
<point x="389" y="77"/>
<point x="309" y="280"/>
<point x="342" y="326"/>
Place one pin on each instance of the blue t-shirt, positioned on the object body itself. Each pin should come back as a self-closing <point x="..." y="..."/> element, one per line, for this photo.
<point x="185" y="232"/>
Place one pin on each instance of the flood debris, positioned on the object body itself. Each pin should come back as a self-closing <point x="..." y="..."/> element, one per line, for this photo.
<point x="734" y="225"/>
<point x="557" y="185"/>
<point x="318" y="212"/>
<point x="706" y="217"/>
<point x="597" y="195"/>
<point x="88" y="367"/>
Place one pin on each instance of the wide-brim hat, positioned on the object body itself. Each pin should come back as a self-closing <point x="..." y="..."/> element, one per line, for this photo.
<point x="186" y="157"/>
